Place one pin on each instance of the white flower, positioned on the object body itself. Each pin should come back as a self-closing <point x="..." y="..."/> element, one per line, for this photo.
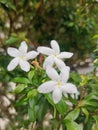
<point x="58" y="84"/>
<point x="21" y="56"/>
<point x="54" y="55"/>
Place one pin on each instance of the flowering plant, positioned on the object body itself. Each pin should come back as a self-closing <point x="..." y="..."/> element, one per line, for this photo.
<point x="52" y="89"/>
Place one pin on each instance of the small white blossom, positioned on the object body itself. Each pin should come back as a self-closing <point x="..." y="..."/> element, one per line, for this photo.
<point x="54" y="55"/>
<point x="58" y="84"/>
<point x="21" y="56"/>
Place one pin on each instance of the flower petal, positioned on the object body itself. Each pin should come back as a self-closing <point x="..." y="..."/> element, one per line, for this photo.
<point x="12" y="65"/>
<point x="64" y="75"/>
<point x="52" y="73"/>
<point x="69" y="88"/>
<point x="65" y="55"/>
<point x="57" y="95"/>
<point x="55" y="46"/>
<point x="31" y="55"/>
<point x="13" y="51"/>
<point x="49" y="61"/>
<point x="68" y="103"/>
<point x="23" y="47"/>
<point x="45" y="50"/>
<point x="24" y="65"/>
<point x="59" y="63"/>
<point x="46" y="87"/>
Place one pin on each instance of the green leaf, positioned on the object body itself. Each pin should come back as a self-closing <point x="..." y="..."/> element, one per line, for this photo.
<point x="73" y="115"/>
<point x="32" y="114"/>
<point x="8" y="4"/>
<point x="31" y="74"/>
<point x="32" y="93"/>
<point x="95" y="36"/>
<point x="21" y="80"/>
<point x="86" y="113"/>
<point x="71" y="125"/>
<point x="20" y="88"/>
<point x="12" y="40"/>
<point x="61" y="107"/>
<point x="49" y="98"/>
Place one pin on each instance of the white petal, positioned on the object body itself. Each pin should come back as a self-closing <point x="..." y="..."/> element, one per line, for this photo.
<point x="69" y="103"/>
<point x="65" y="55"/>
<point x="69" y="88"/>
<point x="23" y="47"/>
<point x="46" y="87"/>
<point x="49" y="61"/>
<point x="65" y="94"/>
<point x="57" y="95"/>
<point x="52" y="73"/>
<point x="55" y="46"/>
<point x="64" y="75"/>
<point x="45" y="50"/>
<point x="24" y="65"/>
<point x="59" y="63"/>
<point x="72" y="95"/>
<point x="12" y="65"/>
<point x="13" y="51"/>
<point x="31" y="55"/>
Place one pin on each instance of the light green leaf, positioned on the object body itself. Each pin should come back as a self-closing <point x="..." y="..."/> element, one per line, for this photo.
<point x="61" y="107"/>
<point x="31" y="74"/>
<point x="86" y="113"/>
<point x="20" y="88"/>
<point x="73" y="115"/>
<point x="21" y="80"/>
<point x="12" y="40"/>
<point x="32" y="93"/>
<point x="71" y="125"/>
<point x="95" y="36"/>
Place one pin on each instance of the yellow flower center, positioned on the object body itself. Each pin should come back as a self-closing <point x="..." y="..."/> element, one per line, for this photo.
<point x="21" y="57"/>
<point x="55" y="55"/>
<point x="58" y="84"/>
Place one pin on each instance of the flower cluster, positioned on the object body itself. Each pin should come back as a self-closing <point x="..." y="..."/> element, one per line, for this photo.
<point x="58" y="84"/>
